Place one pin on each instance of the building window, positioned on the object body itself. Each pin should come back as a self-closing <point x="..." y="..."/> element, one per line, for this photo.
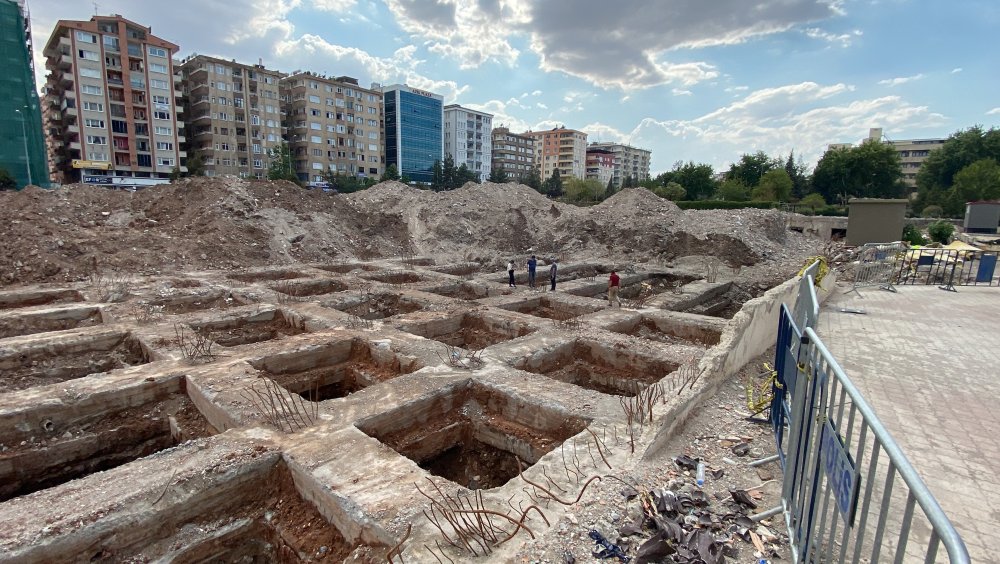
<point x="164" y="161"/>
<point x="316" y="126"/>
<point x="90" y="73"/>
<point x="258" y="163"/>
<point x="164" y="146"/>
<point x="157" y="67"/>
<point x="314" y="99"/>
<point x="256" y="148"/>
<point x="93" y="107"/>
<point x="160" y="130"/>
<point x="98" y="123"/>
<point x="156" y="83"/>
<point x="315" y="139"/>
<point x="89" y="55"/>
<point x="254" y="120"/>
<point x="97" y="140"/>
<point x="161" y="115"/>
<point x="157" y="52"/>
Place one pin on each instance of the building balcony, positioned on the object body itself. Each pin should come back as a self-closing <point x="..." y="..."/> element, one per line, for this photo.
<point x="74" y="146"/>
<point x="181" y="138"/>
<point x="202" y="117"/>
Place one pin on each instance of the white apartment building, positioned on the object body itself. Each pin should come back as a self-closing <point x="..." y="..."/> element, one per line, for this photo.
<point x="468" y="138"/>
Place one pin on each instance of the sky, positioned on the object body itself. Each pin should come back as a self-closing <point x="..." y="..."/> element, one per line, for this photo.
<point x="689" y="80"/>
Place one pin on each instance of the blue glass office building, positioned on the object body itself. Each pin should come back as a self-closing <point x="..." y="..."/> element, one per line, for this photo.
<point x="414" y="130"/>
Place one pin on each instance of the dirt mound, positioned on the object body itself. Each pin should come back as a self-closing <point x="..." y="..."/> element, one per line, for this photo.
<point x="198" y="223"/>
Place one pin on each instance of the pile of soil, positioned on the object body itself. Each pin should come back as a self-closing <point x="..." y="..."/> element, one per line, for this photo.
<point x="69" y="233"/>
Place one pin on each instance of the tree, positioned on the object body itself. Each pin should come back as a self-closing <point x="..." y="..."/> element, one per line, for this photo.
<point x="912" y="235"/>
<point x="391" y="173"/>
<point x="449" y="173"/>
<point x="812" y="201"/>
<point x="698" y="180"/>
<point x="870" y="170"/>
<point x="610" y="189"/>
<point x="774" y="186"/>
<point x="7" y="182"/>
<point x="583" y="191"/>
<point x="282" y="167"/>
<point x="932" y="211"/>
<point x="937" y="175"/>
<point x="175" y="174"/>
<point x="498" y="176"/>
<point x="195" y="163"/>
<point x="437" y="176"/>
<point x="463" y="175"/>
<point x="554" y="186"/>
<point x="405" y="179"/>
<point x="750" y="168"/>
<point x="978" y="181"/>
<point x="347" y="183"/>
<point x="534" y="180"/>
<point x="797" y="172"/>
<point x="733" y="191"/>
<point x="672" y="191"/>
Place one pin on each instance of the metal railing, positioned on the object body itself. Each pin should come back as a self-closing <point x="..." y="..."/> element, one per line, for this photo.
<point x="877" y="265"/>
<point x="947" y="267"/>
<point x="849" y="494"/>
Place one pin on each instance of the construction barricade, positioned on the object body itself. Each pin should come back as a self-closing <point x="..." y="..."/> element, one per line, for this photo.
<point x="947" y="267"/>
<point x="877" y="265"/>
<point x="849" y="494"/>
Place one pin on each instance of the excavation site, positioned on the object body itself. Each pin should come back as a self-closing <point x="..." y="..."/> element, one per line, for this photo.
<point x="224" y="370"/>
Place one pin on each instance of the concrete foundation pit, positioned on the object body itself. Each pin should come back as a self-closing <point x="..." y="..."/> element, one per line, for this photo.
<point x="395" y="277"/>
<point x="461" y="269"/>
<point x="55" y="358"/>
<point x="80" y="440"/>
<point x="346" y="267"/>
<point x="267" y="275"/>
<point x="55" y="319"/>
<point x="187" y="303"/>
<point x="303" y="288"/>
<point x="470" y="331"/>
<point x="462" y="291"/>
<point x="264" y="326"/>
<point x="598" y="367"/>
<point x="334" y="370"/>
<point x="472" y="434"/>
<point x="668" y="331"/>
<point x="550" y="309"/>
<point x="374" y="306"/>
<point x="27" y="298"/>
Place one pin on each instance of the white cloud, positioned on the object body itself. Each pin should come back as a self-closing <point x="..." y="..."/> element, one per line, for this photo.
<point x="680" y="92"/>
<point x="337" y="6"/>
<point x="309" y="49"/>
<point x="801" y="117"/>
<point x="993" y="112"/>
<point x="956" y="70"/>
<point x="541" y="106"/>
<point x="598" y="131"/>
<point x="900" y="80"/>
<point x="266" y="16"/>
<point x="845" y="39"/>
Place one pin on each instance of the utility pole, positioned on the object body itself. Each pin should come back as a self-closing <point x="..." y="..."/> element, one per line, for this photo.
<point x="24" y="138"/>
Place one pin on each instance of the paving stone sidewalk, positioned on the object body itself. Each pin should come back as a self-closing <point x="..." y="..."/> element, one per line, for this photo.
<point x="929" y="363"/>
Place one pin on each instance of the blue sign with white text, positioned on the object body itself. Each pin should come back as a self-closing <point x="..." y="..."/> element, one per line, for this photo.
<point x="841" y="473"/>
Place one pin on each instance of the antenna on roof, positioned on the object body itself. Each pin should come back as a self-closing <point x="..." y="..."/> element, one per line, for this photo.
<point x="96" y="8"/>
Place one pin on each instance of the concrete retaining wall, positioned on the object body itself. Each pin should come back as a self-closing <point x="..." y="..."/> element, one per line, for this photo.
<point x="751" y="332"/>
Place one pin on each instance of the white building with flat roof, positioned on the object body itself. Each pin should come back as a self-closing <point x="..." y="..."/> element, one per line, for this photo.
<point x="468" y="138"/>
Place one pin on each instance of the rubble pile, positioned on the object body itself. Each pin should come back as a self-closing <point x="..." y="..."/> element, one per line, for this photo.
<point x="68" y="233"/>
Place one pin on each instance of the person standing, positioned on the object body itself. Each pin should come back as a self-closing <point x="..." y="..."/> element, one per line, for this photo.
<point x="532" y="263"/>
<point x="552" y="274"/>
<point x="614" y="284"/>
<point x="510" y="272"/>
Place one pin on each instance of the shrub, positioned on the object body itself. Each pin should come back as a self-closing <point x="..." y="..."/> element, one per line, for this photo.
<point x="722" y="205"/>
<point x="932" y="211"/>
<point x="912" y="235"/>
<point x="941" y="231"/>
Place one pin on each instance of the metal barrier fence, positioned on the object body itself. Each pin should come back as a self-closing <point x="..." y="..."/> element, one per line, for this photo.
<point x="877" y="265"/>
<point x="849" y="494"/>
<point x="947" y="268"/>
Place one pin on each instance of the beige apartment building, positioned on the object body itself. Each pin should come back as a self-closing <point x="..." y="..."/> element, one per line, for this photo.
<point x="333" y="125"/>
<point x="629" y="161"/>
<point x="513" y="153"/>
<point x="111" y="104"/>
<point x="468" y="139"/>
<point x="233" y="113"/>
<point x="912" y="154"/>
<point x="565" y="149"/>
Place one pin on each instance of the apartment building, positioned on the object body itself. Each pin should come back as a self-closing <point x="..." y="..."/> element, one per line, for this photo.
<point x="333" y="126"/>
<point x="22" y="145"/>
<point x="468" y="138"/>
<point x="600" y="165"/>
<point x="565" y="149"/>
<point x="912" y="154"/>
<point x="233" y="113"/>
<point x="513" y="153"/>
<point x="629" y="161"/>
<point x="111" y="103"/>
<point x="414" y="131"/>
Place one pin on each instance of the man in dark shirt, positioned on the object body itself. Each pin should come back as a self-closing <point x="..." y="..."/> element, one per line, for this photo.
<point x="552" y="274"/>
<point x="614" y="284"/>
<point x="532" y="263"/>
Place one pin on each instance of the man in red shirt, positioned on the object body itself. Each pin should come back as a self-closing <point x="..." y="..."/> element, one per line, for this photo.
<point x="614" y="283"/>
